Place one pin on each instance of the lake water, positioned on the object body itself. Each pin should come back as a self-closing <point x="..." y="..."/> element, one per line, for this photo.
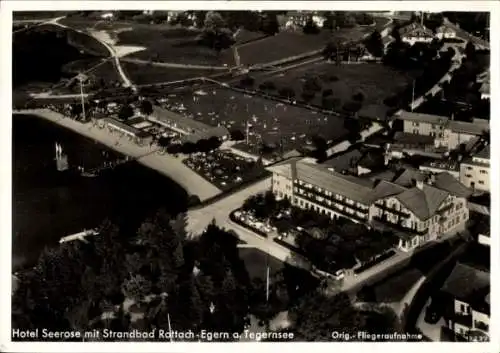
<point x="47" y="204"/>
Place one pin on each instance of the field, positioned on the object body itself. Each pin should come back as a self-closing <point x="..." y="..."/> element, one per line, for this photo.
<point x="144" y="73"/>
<point x="375" y="81"/>
<point x="172" y="45"/>
<point x="270" y="121"/>
<point x="289" y="44"/>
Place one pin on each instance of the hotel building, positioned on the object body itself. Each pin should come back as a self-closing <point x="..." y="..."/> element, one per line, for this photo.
<point x="416" y="209"/>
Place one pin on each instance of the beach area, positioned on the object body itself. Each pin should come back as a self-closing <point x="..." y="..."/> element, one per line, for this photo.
<point x="170" y="166"/>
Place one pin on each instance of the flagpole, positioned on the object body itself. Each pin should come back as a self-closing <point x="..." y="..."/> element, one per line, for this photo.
<point x="170" y="328"/>
<point x="412" y="95"/>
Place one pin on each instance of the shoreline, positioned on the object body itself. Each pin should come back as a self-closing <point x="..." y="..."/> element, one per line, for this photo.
<point x="165" y="164"/>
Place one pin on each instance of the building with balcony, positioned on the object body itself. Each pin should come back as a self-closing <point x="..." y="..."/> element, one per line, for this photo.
<point x="442" y="166"/>
<point x="475" y="171"/>
<point x="445" y="32"/>
<point x="465" y="297"/>
<point x="446" y="132"/>
<point x="416" y="33"/>
<point x="418" y="209"/>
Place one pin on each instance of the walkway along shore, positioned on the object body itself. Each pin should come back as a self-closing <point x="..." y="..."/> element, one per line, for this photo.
<point x="165" y="164"/>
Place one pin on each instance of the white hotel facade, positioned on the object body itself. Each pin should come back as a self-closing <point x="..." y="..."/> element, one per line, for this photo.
<point x="417" y="210"/>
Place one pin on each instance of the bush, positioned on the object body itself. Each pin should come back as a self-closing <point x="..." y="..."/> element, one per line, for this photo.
<point x="286" y="92"/>
<point x="327" y="92"/>
<point x="193" y="200"/>
<point x="267" y="86"/>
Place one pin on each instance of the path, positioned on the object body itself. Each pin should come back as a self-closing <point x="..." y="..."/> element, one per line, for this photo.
<point x="167" y="165"/>
<point x="173" y="65"/>
<point x="112" y="52"/>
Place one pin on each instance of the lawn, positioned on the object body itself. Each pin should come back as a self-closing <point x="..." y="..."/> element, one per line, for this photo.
<point x="175" y="45"/>
<point x="257" y="261"/>
<point x="270" y="121"/>
<point x="394" y="288"/>
<point x="144" y="73"/>
<point x="291" y="43"/>
<point x="375" y="81"/>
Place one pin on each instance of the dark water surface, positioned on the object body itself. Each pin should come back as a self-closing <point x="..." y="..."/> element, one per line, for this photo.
<point x="47" y="204"/>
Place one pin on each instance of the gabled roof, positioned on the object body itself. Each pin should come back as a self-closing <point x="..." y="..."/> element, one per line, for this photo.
<point x="423" y="203"/>
<point x="467" y="283"/>
<point x="475" y="128"/>
<point x="356" y="189"/>
<point x="385" y="189"/>
<point x="446" y="181"/>
<point x="484" y="153"/>
<point x="284" y="168"/>
<point x="408" y="176"/>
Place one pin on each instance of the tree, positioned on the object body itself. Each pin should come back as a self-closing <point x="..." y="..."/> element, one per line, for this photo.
<point x="270" y="25"/>
<point x="213" y="21"/>
<point x="267" y="86"/>
<point x="470" y="50"/>
<point x="286" y="92"/>
<point x="125" y="112"/>
<point x="247" y="81"/>
<point x="237" y="135"/>
<point x="146" y="107"/>
<point x="312" y="84"/>
<point x="310" y="27"/>
<point x="316" y="316"/>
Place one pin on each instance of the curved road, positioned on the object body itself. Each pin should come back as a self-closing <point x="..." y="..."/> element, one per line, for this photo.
<point x="125" y="79"/>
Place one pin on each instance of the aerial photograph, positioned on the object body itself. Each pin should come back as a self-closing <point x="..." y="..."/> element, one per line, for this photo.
<point x="250" y="176"/>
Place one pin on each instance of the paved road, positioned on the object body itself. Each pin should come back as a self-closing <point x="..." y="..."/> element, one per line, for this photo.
<point x="219" y="211"/>
<point x="112" y="52"/>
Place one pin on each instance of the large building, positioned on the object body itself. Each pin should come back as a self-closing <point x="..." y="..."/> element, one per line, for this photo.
<point x="416" y="208"/>
<point x="416" y="33"/>
<point x="446" y="132"/>
<point x="475" y="171"/>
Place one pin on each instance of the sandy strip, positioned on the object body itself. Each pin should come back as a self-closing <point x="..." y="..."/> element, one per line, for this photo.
<point x="165" y="164"/>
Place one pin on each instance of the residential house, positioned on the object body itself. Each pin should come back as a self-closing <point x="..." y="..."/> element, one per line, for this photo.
<point x="416" y="33"/>
<point x="475" y="171"/>
<point x="446" y="132"/>
<point x="465" y="296"/>
<point x="417" y="210"/>
<point x="298" y="19"/>
<point x="420" y="209"/>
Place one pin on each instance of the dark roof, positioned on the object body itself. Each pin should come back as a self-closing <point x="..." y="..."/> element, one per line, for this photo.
<point x="484" y="153"/>
<point x="407" y="138"/>
<point x="467" y="284"/>
<point x="373" y="111"/>
<point x="170" y="117"/>
<point x="475" y="128"/>
<point x="344" y="161"/>
<point x="126" y="128"/>
<point x="408" y="177"/>
<point x="284" y="168"/>
<point x="446" y="181"/>
<point x="423" y="203"/>
<point x="385" y="188"/>
<point x="353" y="188"/>
<point x="218" y="131"/>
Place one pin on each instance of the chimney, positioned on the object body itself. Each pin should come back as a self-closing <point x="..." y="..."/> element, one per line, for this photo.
<point x="418" y="183"/>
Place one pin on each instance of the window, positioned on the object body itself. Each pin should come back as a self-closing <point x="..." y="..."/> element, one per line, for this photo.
<point x="440" y="135"/>
<point x="468" y="175"/>
<point x="415" y="131"/>
<point x="433" y="126"/>
<point x="481" y="182"/>
<point x="469" y="168"/>
<point x="463" y="308"/>
<point x="433" y="134"/>
<point x="482" y="171"/>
